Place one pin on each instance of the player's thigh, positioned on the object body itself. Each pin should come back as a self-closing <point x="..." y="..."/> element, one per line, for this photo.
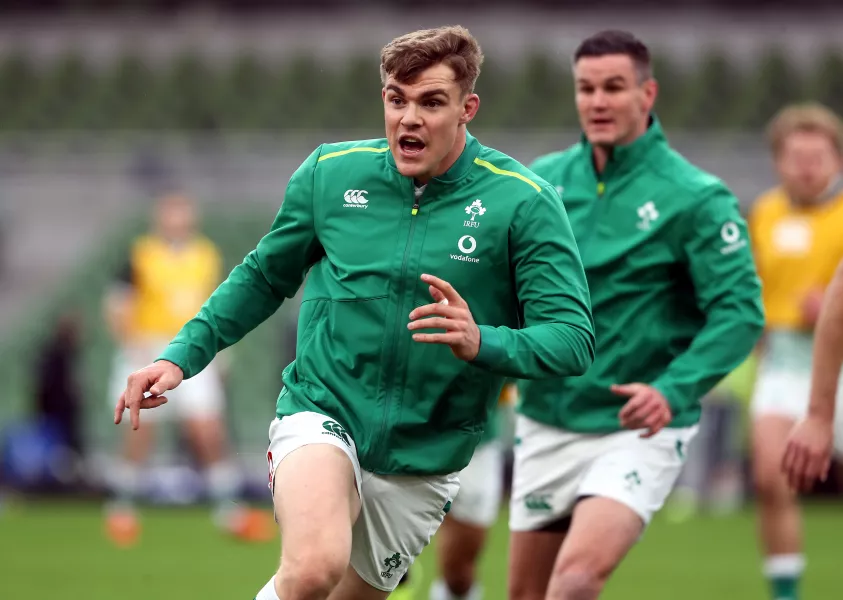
<point x="549" y="465"/>
<point x="352" y="587"/>
<point x="548" y="468"/>
<point x="459" y="544"/>
<point x="781" y="390"/>
<point x="399" y="515"/>
<point x="481" y="487"/>
<point x="314" y="476"/>
<point x="602" y="532"/>
<point x="532" y="555"/>
<point x="476" y="508"/>
<point x="200" y="402"/>
<point x="206" y="432"/>
<point x="637" y="472"/>
<point x="838" y="430"/>
<point x="769" y="438"/>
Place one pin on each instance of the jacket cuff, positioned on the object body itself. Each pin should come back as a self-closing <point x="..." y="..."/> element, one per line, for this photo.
<point x="176" y="353"/>
<point x="670" y="394"/>
<point x="491" y="352"/>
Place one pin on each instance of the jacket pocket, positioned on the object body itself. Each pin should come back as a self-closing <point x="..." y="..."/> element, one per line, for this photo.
<point x="342" y="344"/>
<point x="310" y="314"/>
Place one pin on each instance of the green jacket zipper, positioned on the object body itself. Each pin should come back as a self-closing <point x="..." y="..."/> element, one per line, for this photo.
<point x="596" y="212"/>
<point x="401" y="325"/>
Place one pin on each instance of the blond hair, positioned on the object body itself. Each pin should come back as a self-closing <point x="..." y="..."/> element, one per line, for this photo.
<point x="809" y="117"/>
<point x="405" y="57"/>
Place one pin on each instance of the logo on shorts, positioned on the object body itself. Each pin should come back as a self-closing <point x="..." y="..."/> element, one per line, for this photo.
<point x="680" y="449"/>
<point x="338" y="431"/>
<point x="392" y="562"/>
<point x="632" y="479"/>
<point x="269" y="460"/>
<point x="538" y="502"/>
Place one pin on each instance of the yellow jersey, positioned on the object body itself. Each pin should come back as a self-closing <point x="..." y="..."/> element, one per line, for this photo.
<point x="170" y="283"/>
<point x="797" y="250"/>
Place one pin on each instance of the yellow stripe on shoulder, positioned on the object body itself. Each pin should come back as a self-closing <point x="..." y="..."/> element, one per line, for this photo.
<point x="350" y="150"/>
<point x="497" y="171"/>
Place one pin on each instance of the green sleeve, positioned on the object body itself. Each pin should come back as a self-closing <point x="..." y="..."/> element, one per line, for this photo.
<point x="727" y="291"/>
<point x="557" y="336"/>
<point x="255" y="289"/>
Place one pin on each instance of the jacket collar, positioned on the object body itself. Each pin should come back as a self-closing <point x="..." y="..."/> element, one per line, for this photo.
<point x="625" y="156"/>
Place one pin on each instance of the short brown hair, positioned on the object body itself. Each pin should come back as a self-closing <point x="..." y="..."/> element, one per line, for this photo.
<point x="809" y="117"/>
<point x="407" y="56"/>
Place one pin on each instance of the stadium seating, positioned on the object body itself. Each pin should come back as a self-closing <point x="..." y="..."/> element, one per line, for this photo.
<point x="197" y="94"/>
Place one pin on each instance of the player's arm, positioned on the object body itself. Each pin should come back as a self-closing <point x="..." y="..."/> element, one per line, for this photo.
<point x="118" y="303"/>
<point x="255" y="289"/>
<point x="727" y="291"/>
<point x="828" y="351"/>
<point x="557" y="338"/>
<point x="807" y="455"/>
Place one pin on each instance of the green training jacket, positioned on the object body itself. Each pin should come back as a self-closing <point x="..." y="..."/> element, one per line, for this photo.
<point x="488" y="226"/>
<point x="674" y="290"/>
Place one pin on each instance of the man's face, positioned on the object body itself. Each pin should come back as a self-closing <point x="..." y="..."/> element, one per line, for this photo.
<point x="807" y="163"/>
<point x="613" y="105"/>
<point x="176" y="218"/>
<point x="423" y="119"/>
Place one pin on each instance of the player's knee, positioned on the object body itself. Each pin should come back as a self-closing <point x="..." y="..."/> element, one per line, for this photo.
<point x="525" y="588"/>
<point x="313" y="578"/>
<point x="577" y="580"/>
<point x="770" y="484"/>
<point x="459" y="577"/>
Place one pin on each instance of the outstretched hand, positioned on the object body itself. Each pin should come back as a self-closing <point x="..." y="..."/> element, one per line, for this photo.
<point x="449" y="312"/>
<point x="157" y="378"/>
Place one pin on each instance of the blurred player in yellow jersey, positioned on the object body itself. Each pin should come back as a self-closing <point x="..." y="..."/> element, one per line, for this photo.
<point x="797" y="234"/>
<point x="171" y="271"/>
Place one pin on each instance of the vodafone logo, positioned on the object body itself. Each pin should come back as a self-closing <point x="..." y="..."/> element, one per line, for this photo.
<point x="467" y="244"/>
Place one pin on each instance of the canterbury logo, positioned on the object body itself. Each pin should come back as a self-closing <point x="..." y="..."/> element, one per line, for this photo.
<point x="338" y="431"/>
<point x="356" y="199"/>
<point x="540" y="502"/>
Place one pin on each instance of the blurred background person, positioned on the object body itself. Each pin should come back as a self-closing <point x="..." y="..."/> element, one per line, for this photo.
<point x="462" y="536"/>
<point x="171" y="271"/>
<point x="797" y="235"/>
<point x="712" y="480"/>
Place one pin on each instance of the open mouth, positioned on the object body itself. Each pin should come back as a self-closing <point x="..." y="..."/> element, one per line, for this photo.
<point x="601" y="122"/>
<point x="411" y="144"/>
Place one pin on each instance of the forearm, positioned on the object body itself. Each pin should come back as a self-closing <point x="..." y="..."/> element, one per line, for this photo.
<point x="557" y="339"/>
<point x="724" y="342"/>
<point x="828" y="351"/>
<point x="255" y="288"/>
<point x="538" y="352"/>
<point x="727" y="291"/>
